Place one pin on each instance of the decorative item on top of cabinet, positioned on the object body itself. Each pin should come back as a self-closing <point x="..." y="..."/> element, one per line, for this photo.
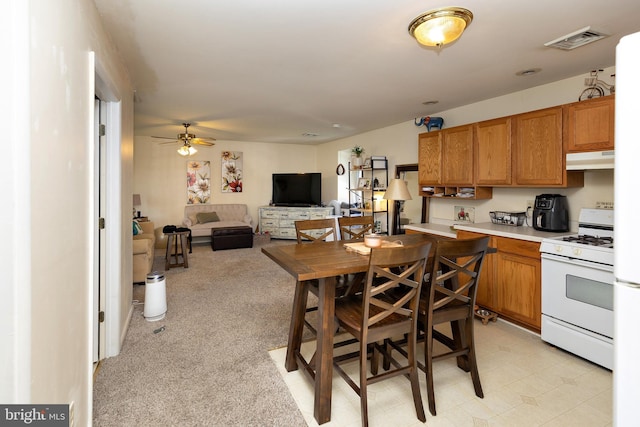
<point x="590" y="125"/>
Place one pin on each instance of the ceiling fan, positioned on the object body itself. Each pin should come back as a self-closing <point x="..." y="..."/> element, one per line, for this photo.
<point x="187" y="140"/>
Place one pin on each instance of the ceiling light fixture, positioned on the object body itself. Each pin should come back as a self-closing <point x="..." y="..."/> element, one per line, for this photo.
<point x="187" y="150"/>
<point x="440" y="26"/>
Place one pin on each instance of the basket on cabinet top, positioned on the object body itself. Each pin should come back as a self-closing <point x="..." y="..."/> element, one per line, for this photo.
<point x="508" y="218"/>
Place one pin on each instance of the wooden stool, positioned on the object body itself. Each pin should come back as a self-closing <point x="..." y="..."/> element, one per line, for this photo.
<point x="172" y="250"/>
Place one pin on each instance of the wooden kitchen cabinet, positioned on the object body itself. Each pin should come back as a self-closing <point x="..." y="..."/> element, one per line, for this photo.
<point x="517" y="281"/>
<point x="446" y="162"/>
<point x="510" y="281"/>
<point x="485" y="295"/>
<point x="492" y="147"/>
<point x="539" y="157"/>
<point x="539" y="154"/>
<point x="457" y="155"/>
<point x="590" y="125"/>
<point x="429" y="158"/>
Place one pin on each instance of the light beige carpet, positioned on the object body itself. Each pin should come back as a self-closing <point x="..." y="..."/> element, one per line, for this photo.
<point x="210" y="365"/>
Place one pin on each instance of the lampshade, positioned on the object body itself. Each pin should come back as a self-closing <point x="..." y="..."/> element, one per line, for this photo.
<point x="441" y="26"/>
<point x="397" y="190"/>
<point x="187" y="150"/>
<point x="136" y="200"/>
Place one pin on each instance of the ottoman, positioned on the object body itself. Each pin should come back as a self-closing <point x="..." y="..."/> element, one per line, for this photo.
<point x="231" y="238"/>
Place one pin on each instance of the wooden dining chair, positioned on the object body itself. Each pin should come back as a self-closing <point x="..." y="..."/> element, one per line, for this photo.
<point x="373" y="317"/>
<point x="314" y="231"/>
<point x="449" y="297"/>
<point x="354" y="227"/>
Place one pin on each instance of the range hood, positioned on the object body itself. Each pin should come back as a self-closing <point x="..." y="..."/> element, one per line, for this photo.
<point x="590" y="160"/>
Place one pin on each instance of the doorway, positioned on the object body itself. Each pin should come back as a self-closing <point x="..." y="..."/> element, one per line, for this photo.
<point x="100" y="269"/>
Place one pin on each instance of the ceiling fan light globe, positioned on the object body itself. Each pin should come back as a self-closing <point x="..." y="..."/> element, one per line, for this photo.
<point x="187" y="150"/>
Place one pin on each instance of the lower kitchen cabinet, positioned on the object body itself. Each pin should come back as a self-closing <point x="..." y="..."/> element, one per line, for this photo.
<point x="510" y="282"/>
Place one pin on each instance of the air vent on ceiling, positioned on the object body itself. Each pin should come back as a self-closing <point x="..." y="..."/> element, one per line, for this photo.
<point x="576" y="39"/>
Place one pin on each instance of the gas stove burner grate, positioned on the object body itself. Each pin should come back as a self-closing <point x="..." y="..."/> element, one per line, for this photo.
<point x="606" y="242"/>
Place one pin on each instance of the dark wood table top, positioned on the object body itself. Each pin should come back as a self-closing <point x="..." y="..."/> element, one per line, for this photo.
<point x="308" y="261"/>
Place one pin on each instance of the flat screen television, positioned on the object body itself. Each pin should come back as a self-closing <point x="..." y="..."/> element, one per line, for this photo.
<point x="297" y="189"/>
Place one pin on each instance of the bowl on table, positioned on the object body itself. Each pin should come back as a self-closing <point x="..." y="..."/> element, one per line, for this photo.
<point x="372" y="240"/>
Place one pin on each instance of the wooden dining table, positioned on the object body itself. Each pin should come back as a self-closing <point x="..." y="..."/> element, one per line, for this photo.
<point x="323" y="261"/>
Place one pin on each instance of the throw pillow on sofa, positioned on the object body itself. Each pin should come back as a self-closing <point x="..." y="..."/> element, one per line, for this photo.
<point x="204" y="217"/>
<point x="137" y="229"/>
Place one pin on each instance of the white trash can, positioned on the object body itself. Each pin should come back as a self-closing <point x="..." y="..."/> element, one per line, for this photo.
<point x="155" y="297"/>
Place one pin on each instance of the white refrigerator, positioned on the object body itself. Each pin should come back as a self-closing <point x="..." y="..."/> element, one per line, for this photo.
<point x="626" y="364"/>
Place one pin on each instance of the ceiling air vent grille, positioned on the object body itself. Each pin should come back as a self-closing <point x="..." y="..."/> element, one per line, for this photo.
<point x="576" y="39"/>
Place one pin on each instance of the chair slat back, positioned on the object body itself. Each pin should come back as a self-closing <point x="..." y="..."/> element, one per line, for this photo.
<point x="304" y="229"/>
<point x="455" y="272"/>
<point x="355" y="227"/>
<point x="399" y="270"/>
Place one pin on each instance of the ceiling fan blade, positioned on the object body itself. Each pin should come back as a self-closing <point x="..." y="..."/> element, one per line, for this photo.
<point x="162" y="137"/>
<point x="200" y="141"/>
<point x="170" y="142"/>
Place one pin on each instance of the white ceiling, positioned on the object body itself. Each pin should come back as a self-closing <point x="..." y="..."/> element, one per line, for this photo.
<point x="271" y="71"/>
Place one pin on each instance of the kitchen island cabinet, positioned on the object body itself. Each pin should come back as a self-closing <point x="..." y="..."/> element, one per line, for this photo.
<point x="510" y="282"/>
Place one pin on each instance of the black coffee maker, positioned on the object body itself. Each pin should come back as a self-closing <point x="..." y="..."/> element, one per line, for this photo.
<point x="551" y="213"/>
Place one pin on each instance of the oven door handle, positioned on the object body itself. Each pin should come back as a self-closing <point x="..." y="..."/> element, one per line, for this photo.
<point x="575" y="261"/>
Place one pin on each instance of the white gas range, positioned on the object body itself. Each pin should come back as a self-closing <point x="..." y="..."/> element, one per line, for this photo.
<point x="577" y="288"/>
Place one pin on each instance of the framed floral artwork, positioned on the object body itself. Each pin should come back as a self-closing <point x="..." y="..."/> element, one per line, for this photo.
<point x="231" y="172"/>
<point x="198" y="182"/>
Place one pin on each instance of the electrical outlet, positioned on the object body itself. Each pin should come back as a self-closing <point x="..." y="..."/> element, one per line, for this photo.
<point x="530" y="204"/>
<point x="604" y="205"/>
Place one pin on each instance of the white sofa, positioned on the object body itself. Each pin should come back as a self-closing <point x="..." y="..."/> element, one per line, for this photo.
<point x="230" y="215"/>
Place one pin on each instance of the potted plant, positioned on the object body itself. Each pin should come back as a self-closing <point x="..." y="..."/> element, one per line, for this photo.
<point x="356" y="156"/>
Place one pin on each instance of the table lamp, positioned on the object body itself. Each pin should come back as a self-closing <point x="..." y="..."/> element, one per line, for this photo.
<point x="397" y="191"/>
<point x="136" y="202"/>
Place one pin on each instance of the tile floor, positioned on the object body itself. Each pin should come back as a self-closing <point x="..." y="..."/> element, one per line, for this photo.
<point x="525" y="381"/>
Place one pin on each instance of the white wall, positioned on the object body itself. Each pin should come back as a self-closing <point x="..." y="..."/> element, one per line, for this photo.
<point x="400" y="144"/>
<point x="46" y="351"/>
<point x="160" y="174"/>
<point x="159" y="171"/>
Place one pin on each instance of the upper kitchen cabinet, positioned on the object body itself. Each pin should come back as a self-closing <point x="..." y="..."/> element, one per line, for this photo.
<point x="539" y="156"/>
<point x="457" y="155"/>
<point x="492" y="146"/>
<point x="590" y="125"/>
<point x="430" y="157"/>
<point x="445" y="164"/>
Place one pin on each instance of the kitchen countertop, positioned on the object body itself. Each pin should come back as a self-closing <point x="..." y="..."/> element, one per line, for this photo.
<point x="522" y="232"/>
<point x="429" y="228"/>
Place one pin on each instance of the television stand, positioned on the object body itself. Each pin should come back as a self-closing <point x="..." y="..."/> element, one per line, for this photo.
<point x="293" y="205"/>
<point x="279" y="221"/>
